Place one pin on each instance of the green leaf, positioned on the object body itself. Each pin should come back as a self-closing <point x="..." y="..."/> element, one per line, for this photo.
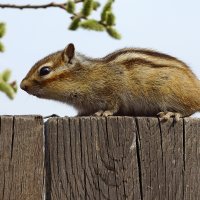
<point x="6" y="75"/>
<point x="92" y="24"/>
<point x="75" y="24"/>
<point x="110" y="19"/>
<point x="70" y="7"/>
<point x="106" y="8"/>
<point x="2" y="29"/>
<point x="96" y="4"/>
<point x="113" y="33"/>
<point x="1" y="47"/>
<point x="87" y="7"/>
<point x="7" y="89"/>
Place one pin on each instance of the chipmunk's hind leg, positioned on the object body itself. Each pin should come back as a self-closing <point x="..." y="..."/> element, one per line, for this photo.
<point x="165" y="116"/>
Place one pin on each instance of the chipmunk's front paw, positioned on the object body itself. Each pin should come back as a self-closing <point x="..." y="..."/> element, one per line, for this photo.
<point x="165" y="116"/>
<point x="103" y="113"/>
<point x="99" y="113"/>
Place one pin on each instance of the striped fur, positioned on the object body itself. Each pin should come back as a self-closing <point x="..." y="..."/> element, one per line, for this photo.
<point x="129" y="81"/>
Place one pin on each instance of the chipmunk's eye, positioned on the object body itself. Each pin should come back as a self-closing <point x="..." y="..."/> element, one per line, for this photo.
<point x="44" y="71"/>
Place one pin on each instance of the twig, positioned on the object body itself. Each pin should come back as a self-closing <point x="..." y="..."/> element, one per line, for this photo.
<point x="42" y="6"/>
<point x="28" y="6"/>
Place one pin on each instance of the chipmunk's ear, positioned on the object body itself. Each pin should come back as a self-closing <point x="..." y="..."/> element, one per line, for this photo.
<point x="69" y="52"/>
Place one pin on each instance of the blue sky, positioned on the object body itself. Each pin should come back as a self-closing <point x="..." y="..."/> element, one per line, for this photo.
<point x="170" y="26"/>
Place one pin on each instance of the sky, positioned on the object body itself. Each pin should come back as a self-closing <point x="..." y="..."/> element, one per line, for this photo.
<point x="170" y="26"/>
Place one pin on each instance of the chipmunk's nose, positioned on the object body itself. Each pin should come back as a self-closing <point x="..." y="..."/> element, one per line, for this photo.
<point x="24" y="85"/>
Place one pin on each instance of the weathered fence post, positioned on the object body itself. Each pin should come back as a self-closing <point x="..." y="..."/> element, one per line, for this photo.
<point x="21" y="158"/>
<point x="114" y="158"/>
<point x="122" y="158"/>
<point x="92" y="158"/>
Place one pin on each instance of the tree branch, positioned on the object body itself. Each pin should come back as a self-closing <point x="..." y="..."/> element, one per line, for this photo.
<point x="42" y="6"/>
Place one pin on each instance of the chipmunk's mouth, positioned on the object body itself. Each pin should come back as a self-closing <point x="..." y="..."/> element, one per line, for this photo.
<point x="36" y="93"/>
<point x="33" y="93"/>
<point x="27" y="87"/>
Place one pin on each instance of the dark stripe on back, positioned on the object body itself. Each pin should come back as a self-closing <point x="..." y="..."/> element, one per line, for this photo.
<point x="114" y="55"/>
<point x="130" y="63"/>
<point x="139" y="61"/>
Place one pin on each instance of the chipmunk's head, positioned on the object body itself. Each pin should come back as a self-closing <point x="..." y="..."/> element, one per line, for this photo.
<point x="48" y="76"/>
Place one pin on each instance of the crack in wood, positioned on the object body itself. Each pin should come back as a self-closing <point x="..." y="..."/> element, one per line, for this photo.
<point x="138" y="158"/>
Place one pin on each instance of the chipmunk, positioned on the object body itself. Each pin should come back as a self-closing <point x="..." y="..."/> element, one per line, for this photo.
<point x="130" y="81"/>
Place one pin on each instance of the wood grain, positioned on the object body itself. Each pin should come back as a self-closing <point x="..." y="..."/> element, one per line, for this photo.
<point x="98" y="158"/>
<point x="92" y="158"/>
<point x="191" y="159"/>
<point x="161" y="158"/>
<point x="21" y="158"/>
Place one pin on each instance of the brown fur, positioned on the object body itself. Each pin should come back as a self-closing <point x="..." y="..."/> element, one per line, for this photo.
<point x="127" y="82"/>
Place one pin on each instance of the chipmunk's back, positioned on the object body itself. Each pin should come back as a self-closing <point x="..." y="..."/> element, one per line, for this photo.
<point x="144" y="56"/>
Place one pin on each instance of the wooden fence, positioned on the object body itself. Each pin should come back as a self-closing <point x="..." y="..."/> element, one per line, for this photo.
<point x="114" y="158"/>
